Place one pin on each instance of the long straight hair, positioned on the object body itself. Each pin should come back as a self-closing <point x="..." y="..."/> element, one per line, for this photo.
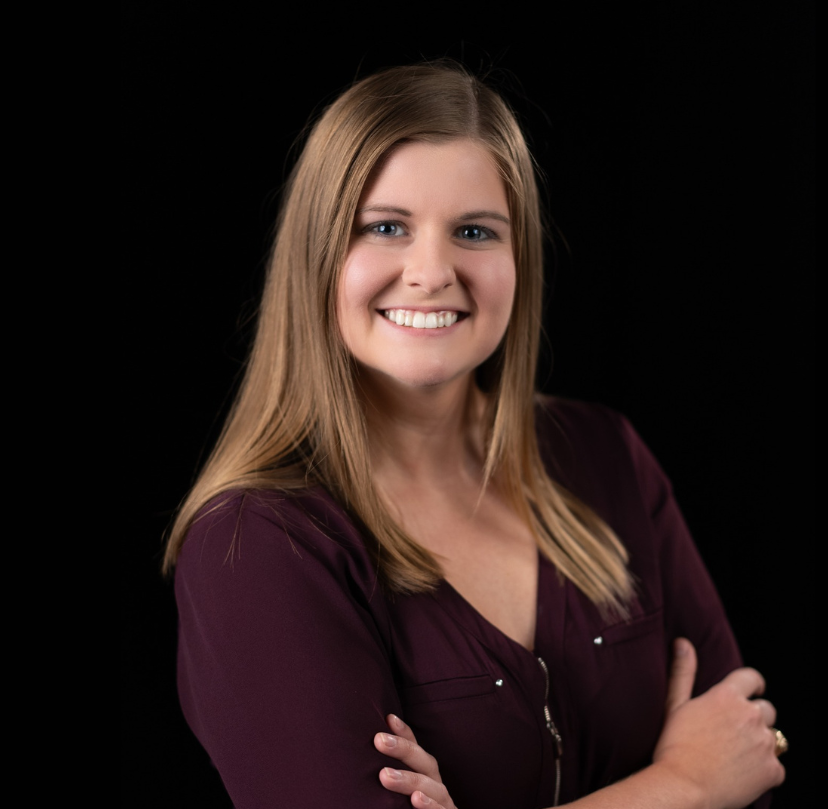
<point x="297" y="420"/>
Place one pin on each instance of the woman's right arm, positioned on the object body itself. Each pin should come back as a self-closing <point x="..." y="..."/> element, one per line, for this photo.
<point x="716" y="751"/>
<point x="283" y="673"/>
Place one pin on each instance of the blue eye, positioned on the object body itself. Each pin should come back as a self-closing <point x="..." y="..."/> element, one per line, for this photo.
<point x="386" y="229"/>
<point x="474" y="233"/>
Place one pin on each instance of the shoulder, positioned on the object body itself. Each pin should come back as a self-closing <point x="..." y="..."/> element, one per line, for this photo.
<point x="577" y="418"/>
<point x="572" y="431"/>
<point x="596" y="453"/>
<point x="251" y="537"/>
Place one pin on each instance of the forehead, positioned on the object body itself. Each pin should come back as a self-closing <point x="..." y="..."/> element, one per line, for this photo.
<point x="458" y="173"/>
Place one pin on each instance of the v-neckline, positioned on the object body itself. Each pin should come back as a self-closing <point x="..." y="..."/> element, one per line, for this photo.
<point x="550" y="605"/>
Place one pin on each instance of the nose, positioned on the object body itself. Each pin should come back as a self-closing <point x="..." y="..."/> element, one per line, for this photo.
<point x="429" y="264"/>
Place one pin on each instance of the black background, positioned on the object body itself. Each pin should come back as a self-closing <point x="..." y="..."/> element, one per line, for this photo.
<point x="677" y="143"/>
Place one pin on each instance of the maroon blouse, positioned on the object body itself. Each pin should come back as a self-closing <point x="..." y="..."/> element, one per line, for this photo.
<point x="290" y="654"/>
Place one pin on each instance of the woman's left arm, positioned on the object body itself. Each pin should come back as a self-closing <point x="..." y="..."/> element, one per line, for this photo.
<point x="716" y="751"/>
<point x="692" y="606"/>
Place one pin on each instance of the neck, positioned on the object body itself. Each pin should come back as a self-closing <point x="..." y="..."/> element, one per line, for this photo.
<point x="424" y="435"/>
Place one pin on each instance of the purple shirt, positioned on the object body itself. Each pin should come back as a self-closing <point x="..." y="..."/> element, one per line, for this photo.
<point x="291" y="655"/>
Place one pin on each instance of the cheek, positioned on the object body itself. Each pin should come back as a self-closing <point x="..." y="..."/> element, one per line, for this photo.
<point x="358" y="286"/>
<point x="361" y="281"/>
<point x="498" y="293"/>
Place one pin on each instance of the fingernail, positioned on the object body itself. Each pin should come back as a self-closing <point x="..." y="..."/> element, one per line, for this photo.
<point x="389" y="741"/>
<point x="397" y="721"/>
<point x="395" y="774"/>
<point x="680" y="648"/>
<point x="424" y="799"/>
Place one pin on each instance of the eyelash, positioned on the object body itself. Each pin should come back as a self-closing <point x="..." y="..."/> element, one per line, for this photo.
<point x="487" y="232"/>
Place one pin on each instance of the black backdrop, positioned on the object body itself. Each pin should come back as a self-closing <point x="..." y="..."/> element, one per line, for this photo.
<point x="677" y="143"/>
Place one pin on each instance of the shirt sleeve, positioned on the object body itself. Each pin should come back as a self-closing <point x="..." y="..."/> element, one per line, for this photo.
<point x="282" y="672"/>
<point x="693" y="608"/>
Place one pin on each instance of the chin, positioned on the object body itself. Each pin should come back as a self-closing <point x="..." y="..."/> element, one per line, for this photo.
<point x="418" y="376"/>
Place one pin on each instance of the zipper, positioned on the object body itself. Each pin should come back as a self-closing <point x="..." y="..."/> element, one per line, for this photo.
<point x="550" y="726"/>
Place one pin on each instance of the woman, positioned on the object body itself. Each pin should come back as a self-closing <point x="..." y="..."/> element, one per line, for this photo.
<point x="393" y="525"/>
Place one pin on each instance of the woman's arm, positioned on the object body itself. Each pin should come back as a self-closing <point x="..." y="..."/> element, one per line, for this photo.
<point x="283" y="671"/>
<point x="716" y="751"/>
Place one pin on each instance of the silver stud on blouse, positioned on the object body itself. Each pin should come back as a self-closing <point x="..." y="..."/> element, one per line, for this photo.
<point x="498" y="682"/>
<point x="598" y="641"/>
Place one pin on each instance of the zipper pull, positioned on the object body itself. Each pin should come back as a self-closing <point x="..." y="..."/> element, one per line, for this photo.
<point x="557" y="737"/>
<point x="550" y="725"/>
<point x="552" y="728"/>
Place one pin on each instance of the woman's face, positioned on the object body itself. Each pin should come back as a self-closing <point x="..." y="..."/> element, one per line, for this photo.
<point x="429" y="279"/>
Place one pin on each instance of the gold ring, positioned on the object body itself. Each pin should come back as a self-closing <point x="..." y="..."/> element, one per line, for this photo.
<point x="781" y="742"/>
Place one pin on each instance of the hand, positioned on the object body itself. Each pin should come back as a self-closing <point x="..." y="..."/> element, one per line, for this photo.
<point x="720" y="741"/>
<point x="422" y="782"/>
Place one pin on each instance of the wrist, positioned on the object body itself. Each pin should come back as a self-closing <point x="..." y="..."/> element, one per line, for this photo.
<point x="675" y="781"/>
<point x="659" y="786"/>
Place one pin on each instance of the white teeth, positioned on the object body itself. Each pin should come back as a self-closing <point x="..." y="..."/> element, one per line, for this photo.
<point x="421" y="320"/>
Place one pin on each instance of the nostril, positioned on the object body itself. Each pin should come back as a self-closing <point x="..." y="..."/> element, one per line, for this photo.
<point x="430" y="275"/>
<point x="430" y="284"/>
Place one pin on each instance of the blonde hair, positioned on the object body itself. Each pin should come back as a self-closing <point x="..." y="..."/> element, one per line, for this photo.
<point x="297" y="419"/>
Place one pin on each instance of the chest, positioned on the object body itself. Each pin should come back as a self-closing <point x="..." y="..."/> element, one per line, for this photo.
<point x="464" y="685"/>
<point x="488" y="555"/>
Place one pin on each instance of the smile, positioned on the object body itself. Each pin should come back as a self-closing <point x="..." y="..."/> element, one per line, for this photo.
<point x="421" y="320"/>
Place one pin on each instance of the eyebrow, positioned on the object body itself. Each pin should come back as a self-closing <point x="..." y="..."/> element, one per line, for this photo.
<point x="472" y="215"/>
<point x="384" y="209"/>
<point x="466" y="217"/>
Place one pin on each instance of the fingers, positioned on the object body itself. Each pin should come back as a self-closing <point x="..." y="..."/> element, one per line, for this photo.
<point x="767" y="711"/>
<point x="432" y="794"/>
<point x="720" y="741"/>
<point x="421" y="801"/>
<point x="423" y="782"/>
<point x="778" y="770"/>
<point x="405" y="749"/>
<point x="399" y="727"/>
<point x="748" y="682"/>
<point x="682" y="675"/>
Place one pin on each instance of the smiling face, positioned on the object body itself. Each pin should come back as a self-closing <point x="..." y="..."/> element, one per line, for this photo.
<point x="428" y="282"/>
